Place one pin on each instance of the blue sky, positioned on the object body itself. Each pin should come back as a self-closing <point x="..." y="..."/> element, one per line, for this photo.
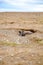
<point x="21" y="5"/>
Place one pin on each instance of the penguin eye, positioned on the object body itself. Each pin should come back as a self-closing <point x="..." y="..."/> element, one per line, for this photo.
<point x="19" y="31"/>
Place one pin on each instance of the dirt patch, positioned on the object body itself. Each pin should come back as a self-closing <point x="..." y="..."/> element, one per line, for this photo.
<point x="21" y="55"/>
<point x="21" y="50"/>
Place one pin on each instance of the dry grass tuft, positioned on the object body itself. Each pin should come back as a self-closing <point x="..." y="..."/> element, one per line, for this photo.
<point x="8" y="43"/>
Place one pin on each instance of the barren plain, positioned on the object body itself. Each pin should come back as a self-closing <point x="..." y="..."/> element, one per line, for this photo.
<point x="21" y="50"/>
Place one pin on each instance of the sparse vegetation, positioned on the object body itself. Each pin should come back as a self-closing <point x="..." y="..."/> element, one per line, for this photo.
<point x="8" y="43"/>
<point x="39" y="41"/>
<point x="28" y="49"/>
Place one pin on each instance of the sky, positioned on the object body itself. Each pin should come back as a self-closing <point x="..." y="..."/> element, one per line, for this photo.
<point x="21" y="5"/>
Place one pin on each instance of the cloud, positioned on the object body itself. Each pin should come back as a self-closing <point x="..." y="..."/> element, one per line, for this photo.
<point x="38" y="8"/>
<point x="22" y="5"/>
<point x="16" y="2"/>
<point x="7" y="10"/>
<point x="23" y="2"/>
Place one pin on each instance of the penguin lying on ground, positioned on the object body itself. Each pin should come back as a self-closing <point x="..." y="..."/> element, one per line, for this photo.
<point x="24" y="32"/>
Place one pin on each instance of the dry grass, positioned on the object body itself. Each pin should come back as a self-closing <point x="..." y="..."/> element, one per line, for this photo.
<point x="30" y="51"/>
<point x="39" y="41"/>
<point x="8" y="43"/>
<point x="6" y="18"/>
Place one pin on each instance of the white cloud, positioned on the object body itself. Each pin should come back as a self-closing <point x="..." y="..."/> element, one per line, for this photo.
<point x="6" y="10"/>
<point x="21" y="2"/>
<point x="23" y="5"/>
<point x="16" y="2"/>
<point x="38" y="8"/>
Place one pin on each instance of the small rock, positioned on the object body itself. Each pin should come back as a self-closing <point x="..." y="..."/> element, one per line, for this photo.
<point x="7" y="40"/>
<point x="0" y="58"/>
<point x="12" y="55"/>
<point x="32" y="55"/>
<point x="38" y="62"/>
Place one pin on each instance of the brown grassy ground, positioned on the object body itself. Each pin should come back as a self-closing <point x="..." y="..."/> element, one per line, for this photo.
<point x="18" y="50"/>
